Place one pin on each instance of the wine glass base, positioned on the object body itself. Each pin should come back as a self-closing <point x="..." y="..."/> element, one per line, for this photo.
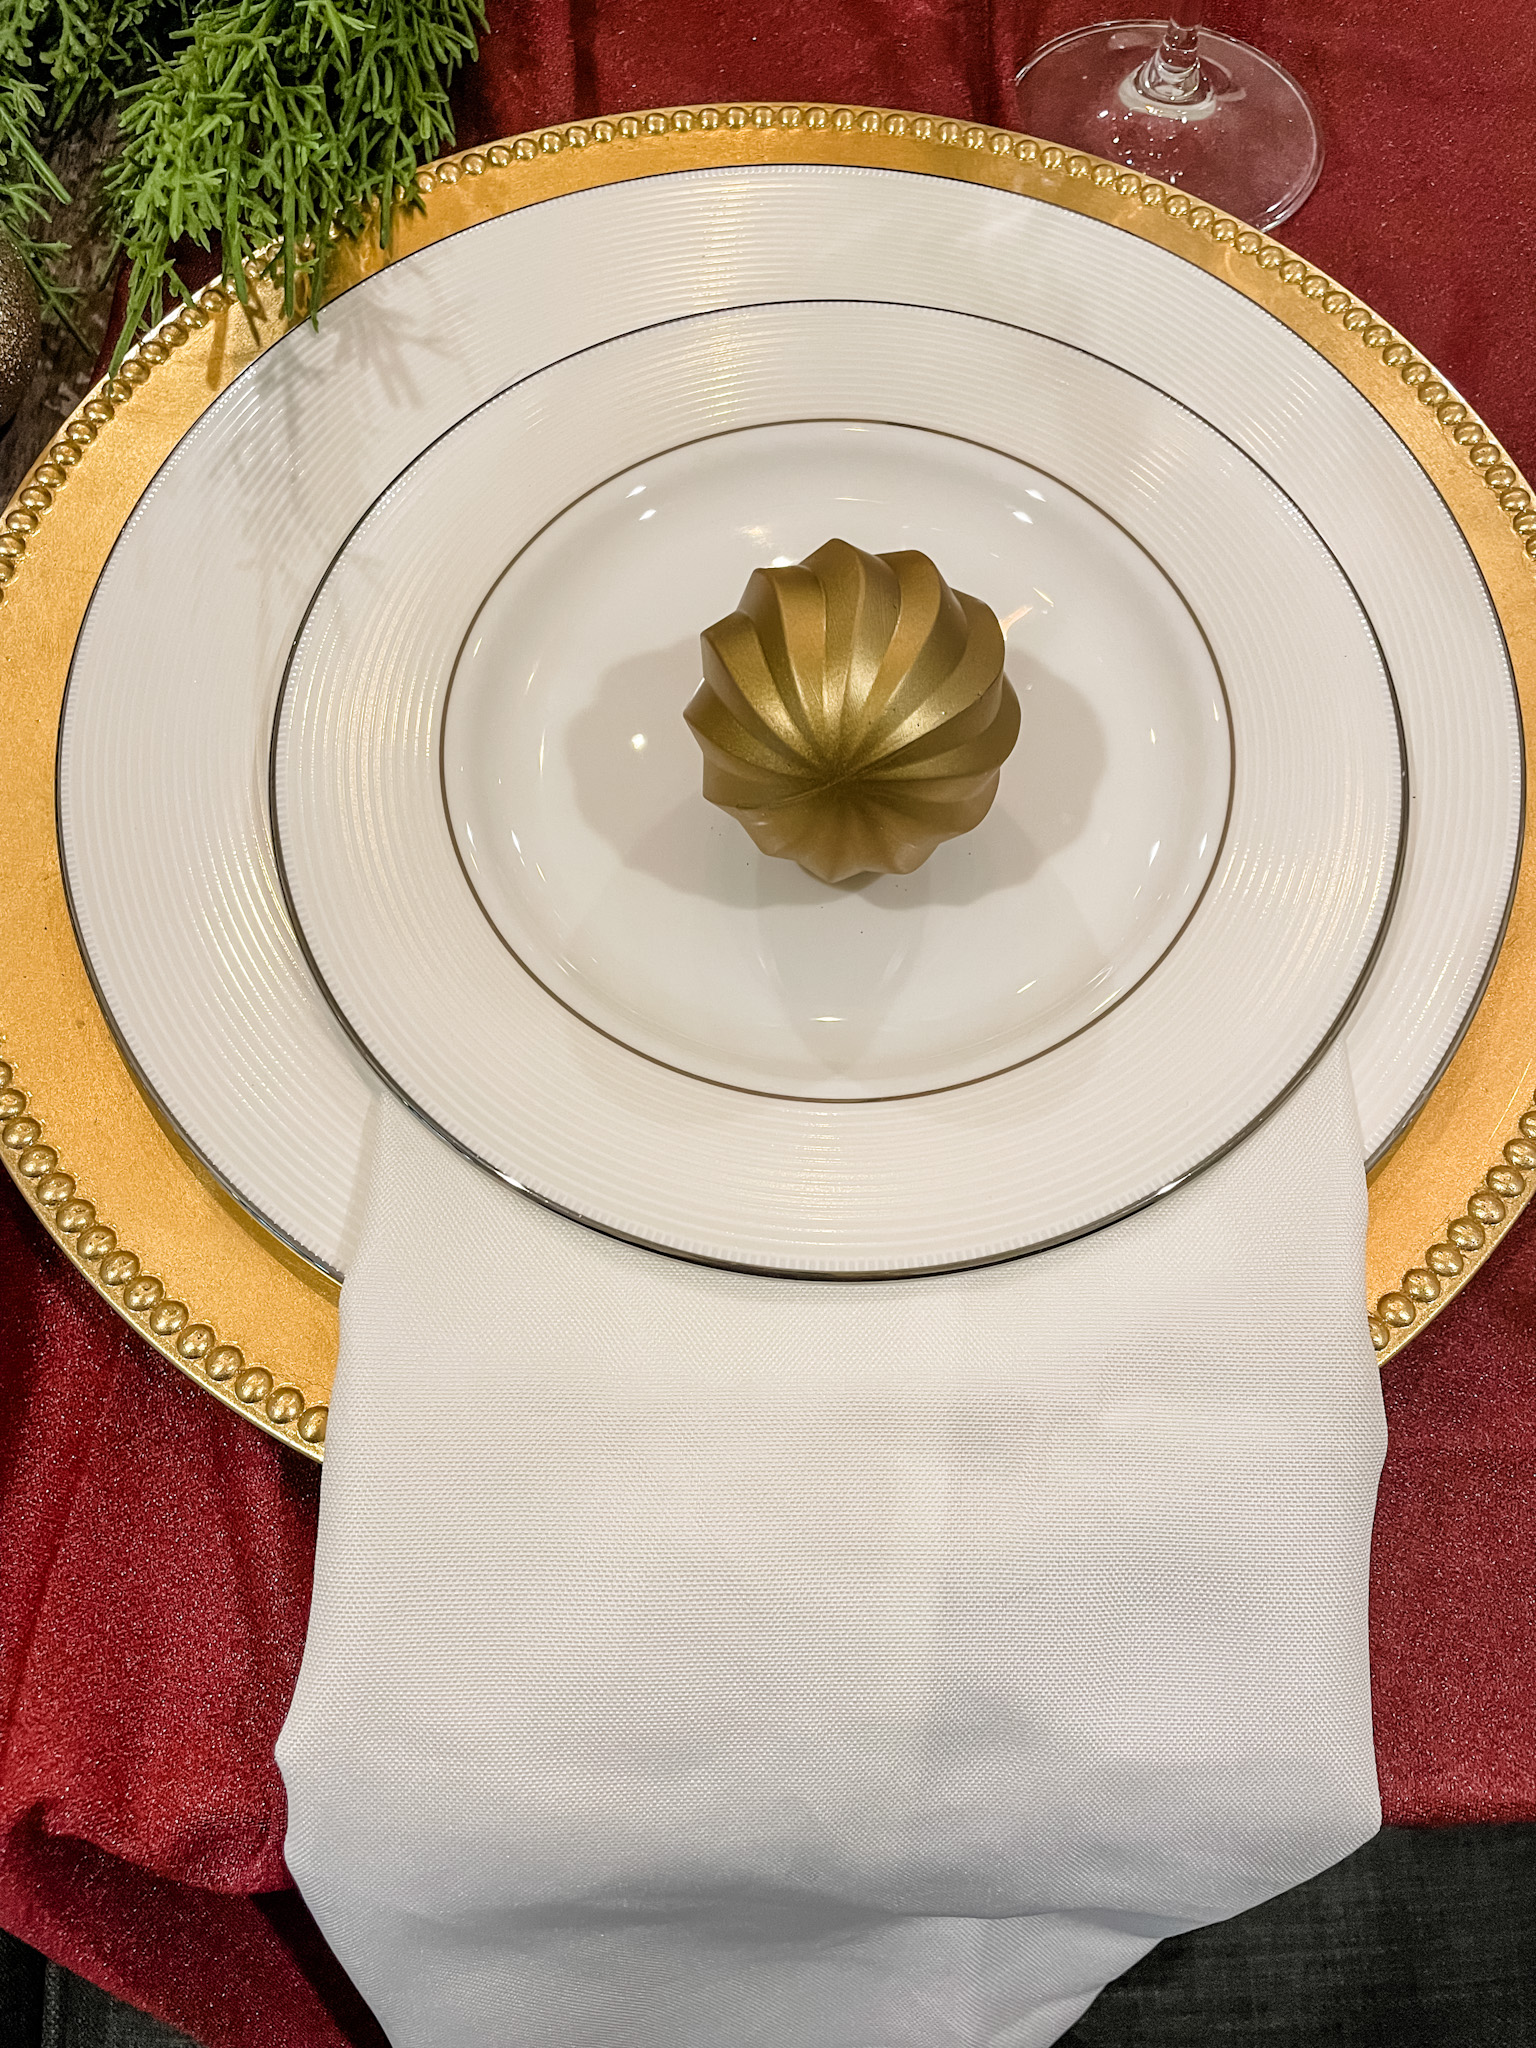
<point x="1249" y="145"/>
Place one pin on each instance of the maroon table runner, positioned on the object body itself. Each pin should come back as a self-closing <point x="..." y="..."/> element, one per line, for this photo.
<point x="157" y="1551"/>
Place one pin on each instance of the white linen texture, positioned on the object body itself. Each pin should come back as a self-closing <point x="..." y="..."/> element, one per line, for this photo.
<point x="705" y="1660"/>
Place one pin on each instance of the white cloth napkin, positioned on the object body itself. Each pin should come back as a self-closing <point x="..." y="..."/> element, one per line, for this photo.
<point x="707" y="1661"/>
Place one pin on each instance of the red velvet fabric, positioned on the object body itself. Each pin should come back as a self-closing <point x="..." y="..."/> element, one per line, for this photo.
<point x="157" y="1551"/>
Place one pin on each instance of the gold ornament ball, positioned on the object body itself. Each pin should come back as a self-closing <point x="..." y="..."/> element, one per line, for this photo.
<point x="854" y="713"/>
<point x="20" y="336"/>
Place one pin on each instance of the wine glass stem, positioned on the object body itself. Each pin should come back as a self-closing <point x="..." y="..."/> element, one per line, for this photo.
<point x="1172" y="73"/>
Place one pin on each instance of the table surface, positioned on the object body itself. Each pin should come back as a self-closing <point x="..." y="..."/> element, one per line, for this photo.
<point x="159" y="1550"/>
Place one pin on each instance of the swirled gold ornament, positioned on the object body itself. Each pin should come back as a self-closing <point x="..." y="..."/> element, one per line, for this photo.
<point x="854" y="712"/>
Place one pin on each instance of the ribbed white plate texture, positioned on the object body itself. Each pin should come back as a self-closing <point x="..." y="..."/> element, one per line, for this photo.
<point x="165" y="739"/>
<point x="668" y="1034"/>
<point x="572" y="784"/>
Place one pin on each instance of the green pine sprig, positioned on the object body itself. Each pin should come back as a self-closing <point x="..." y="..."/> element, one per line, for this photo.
<point x="274" y="120"/>
<point x="264" y="125"/>
<point x="29" y="189"/>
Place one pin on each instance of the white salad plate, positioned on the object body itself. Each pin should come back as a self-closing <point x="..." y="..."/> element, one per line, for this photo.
<point x="489" y="822"/>
<point x="165" y="740"/>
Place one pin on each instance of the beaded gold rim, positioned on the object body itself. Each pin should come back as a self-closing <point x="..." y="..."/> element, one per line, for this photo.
<point x="278" y="1309"/>
<point x="139" y="1296"/>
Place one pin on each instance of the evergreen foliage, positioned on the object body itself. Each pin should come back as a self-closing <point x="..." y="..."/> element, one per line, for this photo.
<point x="259" y="123"/>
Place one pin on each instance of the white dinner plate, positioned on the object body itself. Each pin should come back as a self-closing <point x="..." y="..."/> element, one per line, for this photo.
<point x="162" y="811"/>
<point x="488" y="813"/>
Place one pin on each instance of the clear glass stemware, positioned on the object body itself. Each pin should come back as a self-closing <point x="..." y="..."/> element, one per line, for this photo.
<point x="1191" y="106"/>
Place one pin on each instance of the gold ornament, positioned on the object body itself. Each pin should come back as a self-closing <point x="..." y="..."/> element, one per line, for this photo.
<point x="854" y="712"/>
<point x="19" y="330"/>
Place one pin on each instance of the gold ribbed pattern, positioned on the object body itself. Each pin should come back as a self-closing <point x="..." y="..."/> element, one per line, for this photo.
<point x="854" y="712"/>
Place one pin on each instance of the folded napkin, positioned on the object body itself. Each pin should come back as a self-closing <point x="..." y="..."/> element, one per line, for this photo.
<point x="701" y="1660"/>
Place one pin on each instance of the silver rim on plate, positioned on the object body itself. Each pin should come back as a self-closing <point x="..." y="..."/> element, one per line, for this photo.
<point x="1319" y="439"/>
<point x="891" y="1181"/>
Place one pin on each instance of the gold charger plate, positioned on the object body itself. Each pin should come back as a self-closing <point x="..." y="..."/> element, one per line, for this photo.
<point x="221" y="1299"/>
